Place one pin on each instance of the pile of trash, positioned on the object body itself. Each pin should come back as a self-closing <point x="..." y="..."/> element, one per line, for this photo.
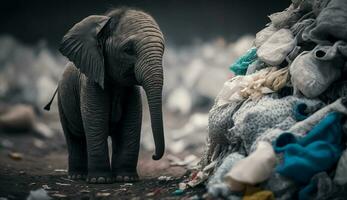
<point x="278" y="128"/>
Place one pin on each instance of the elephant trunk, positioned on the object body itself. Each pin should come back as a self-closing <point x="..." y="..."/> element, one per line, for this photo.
<point x="149" y="73"/>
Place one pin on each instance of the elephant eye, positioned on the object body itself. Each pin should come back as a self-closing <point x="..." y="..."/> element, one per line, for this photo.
<point x="129" y="50"/>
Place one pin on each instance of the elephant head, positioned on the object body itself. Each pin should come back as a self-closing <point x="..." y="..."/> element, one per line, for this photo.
<point x="123" y="47"/>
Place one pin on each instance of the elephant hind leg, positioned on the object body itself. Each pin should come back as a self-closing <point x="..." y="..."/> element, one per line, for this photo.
<point x="77" y="149"/>
<point x="126" y="141"/>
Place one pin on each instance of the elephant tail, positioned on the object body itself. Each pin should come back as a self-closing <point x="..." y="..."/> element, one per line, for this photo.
<point x="48" y="106"/>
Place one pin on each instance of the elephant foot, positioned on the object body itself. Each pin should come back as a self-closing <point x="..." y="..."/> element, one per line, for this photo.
<point x="99" y="179"/>
<point x="77" y="176"/>
<point x="126" y="177"/>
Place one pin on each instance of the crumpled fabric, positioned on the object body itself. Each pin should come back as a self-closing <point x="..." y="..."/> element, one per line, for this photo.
<point x="312" y="72"/>
<point x="321" y="187"/>
<point x="275" y="49"/>
<point x="254" y="118"/>
<point x="330" y="24"/>
<point x="300" y="128"/>
<point x="341" y="170"/>
<point x="253" y="169"/>
<point x="255" y="66"/>
<point x="263" y="35"/>
<point x="216" y="185"/>
<point x="335" y="91"/>
<point x="239" y="88"/>
<point x="231" y="97"/>
<point x="282" y="187"/>
<point x="286" y="18"/>
<point x="299" y="28"/>
<point x="318" y="151"/>
<point x="256" y="193"/>
<point x="239" y="67"/>
<point x="319" y="5"/>
<point x="293" y="54"/>
<point x="220" y="120"/>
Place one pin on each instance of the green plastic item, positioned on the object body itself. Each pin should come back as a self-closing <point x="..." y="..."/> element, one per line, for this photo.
<point x="240" y="66"/>
<point x="178" y="192"/>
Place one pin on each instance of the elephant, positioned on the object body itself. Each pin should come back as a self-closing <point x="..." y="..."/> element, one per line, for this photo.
<point x="111" y="57"/>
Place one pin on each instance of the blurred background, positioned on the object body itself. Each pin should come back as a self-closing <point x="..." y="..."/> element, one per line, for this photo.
<point x="203" y="38"/>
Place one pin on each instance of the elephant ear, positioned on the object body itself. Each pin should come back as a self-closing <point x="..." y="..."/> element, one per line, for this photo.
<point x="81" y="46"/>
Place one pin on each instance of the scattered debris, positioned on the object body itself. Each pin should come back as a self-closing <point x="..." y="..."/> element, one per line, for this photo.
<point x="66" y="179"/>
<point x="103" y="194"/>
<point x="46" y="187"/>
<point x="63" y="184"/>
<point x="178" y="192"/>
<point x="121" y="189"/>
<point x="15" y="155"/>
<point x="182" y="186"/>
<point x="165" y="178"/>
<point x="126" y="185"/>
<point x="84" y="191"/>
<point x="59" y="195"/>
<point x="39" y="194"/>
<point x="154" y="193"/>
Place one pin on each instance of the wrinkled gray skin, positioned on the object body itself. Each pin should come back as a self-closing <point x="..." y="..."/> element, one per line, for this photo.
<point x="98" y="95"/>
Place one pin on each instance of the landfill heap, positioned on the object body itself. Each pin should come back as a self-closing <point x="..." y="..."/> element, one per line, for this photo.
<point x="277" y="129"/>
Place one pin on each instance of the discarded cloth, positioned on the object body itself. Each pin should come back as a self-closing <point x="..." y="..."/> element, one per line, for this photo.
<point x="254" y="118"/>
<point x="341" y="170"/>
<point x="321" y="187"/>
<point x="275" y="49"/>
<point x="255" y="193"/>
<point x="255" y="168"/>
<point x="255" y="66"/>
<point x="318" y="151"/>
<point x="263" y="35"/>
<point x="300" y="26"/>
<point x="282" y="187"/>
<point x="298" y="29"/>
<point x="300" y="111"/>
<point x="293" y="54"/>
<point x="265" y="81"/>
<point x="240" y="88"/>
<point x="240" y="66"/>
<point x="216" y="185"/>
<point x="319" y="5"/>
<point x="219" y="121"/>
<point x="286" y="18"/>
<point x="331" y="23"/>
<point x="335" y="91"/>
<point x="312" y="72"/>
<point x="302" y="127"/>
<point x="231" y="90"/>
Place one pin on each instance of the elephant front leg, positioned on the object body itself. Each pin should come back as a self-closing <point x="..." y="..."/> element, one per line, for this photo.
<point x="95" y="106"/>
<point x="76" y="144"/>
<point x="126" y="141"/>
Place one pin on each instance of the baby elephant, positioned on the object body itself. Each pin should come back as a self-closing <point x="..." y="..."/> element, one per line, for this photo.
<point x="99" y="96"/>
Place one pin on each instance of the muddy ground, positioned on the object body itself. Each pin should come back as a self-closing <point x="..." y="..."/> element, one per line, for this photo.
<point x="42" y="164"/>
